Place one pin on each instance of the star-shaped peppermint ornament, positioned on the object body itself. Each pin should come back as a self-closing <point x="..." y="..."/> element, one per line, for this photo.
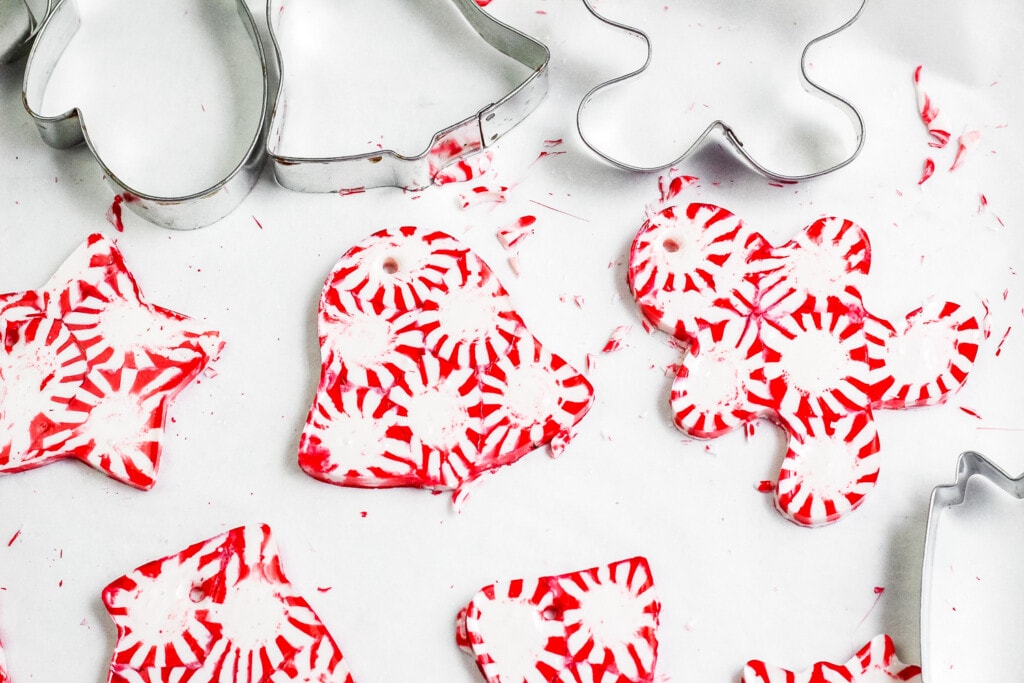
<point x="593" y="626"/>
<point x="782" y="333"/>
<point x="88" y="368"/>
<point x="876" y="662"/>
<point x="430" y="377"/>
<point x="220" y="610"/>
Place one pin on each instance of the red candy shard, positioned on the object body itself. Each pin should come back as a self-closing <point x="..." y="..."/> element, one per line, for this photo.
<point x="220" y="610"/>
<point x="593" y="626"/>
<point x="430" y="377"/>
<point x="88" y="368"/>
<point x="4" y="677"/>
<point x="782" y="333"/>
<point x="874" y="663"/>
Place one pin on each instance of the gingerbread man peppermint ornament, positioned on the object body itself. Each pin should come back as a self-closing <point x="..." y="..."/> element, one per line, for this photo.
<point x="782" y="333"/>
<point x="876" y="662"/>
<point x="430" y="377"/>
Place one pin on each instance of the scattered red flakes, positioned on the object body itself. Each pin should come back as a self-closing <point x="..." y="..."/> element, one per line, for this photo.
<point x="999" y="349"/>
<point x="614" y="342"/>
<point x="765" y="486"/>
<point x="564" y="213"/>
<point x="465" y="169"/>
<point x="544" y="154"/>
<point x="515" y="232"/>
<point x="671" y="185"/>
<point x="969" y="411"/>
<point x="346" y="191"/>
<point x="324" y="589"/>
<point x="578" y="300"/>
<point x="879" y="590"/>
<point x="260" y="225"/>
<point x="928" y="172"/>
<point x="114" y="213"/>
<point x="363" y="514"/>
<point x="483" y="3"/>
<point x="591" y="362"/>
<point x="982" y="203"/>
<point x="14" y="538"/>
<point x="554" y="142"/>
<point x="513" y="263"/>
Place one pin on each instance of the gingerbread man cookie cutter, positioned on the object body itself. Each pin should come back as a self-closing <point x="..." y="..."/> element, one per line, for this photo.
<point x="68" y="129"/>
<point x="730" y="134"/>
<point x="388" y="167"/>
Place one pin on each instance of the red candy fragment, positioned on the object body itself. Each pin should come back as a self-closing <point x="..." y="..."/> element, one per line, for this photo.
<point x="430" y="377"/>
<point x="782" y="333"/>
<point x="88" y="368"/>
<point x="220" y="610"/>
<point x="874" y="663"/>
<point x="594" y="626"/>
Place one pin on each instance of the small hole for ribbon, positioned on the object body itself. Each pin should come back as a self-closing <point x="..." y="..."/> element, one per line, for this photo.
<point x="551" y="613"/>
<point x="671" y="246"/>
<point x="197" y="594"/>
<point x="390" y="266"/>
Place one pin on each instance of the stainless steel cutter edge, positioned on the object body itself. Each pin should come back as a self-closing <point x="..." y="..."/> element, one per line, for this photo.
<point x="969" y="465"/>
<point x="730" y="135"/>
<point x="69" y="129"/>
<point x="30" y="27"/>
<point x="388" y="167"/>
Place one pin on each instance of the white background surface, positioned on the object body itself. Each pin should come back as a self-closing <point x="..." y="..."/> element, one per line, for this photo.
<point x="735" y="579"/>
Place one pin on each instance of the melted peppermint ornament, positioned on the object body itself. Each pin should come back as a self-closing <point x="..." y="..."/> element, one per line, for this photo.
<point x="220" y="610"/>
<point x="781" y="332"/>
<point x="875" y="663"/>
<point x="592" y="626"/>
<point x="430" y="377"/>
<point x="88" y="368"/>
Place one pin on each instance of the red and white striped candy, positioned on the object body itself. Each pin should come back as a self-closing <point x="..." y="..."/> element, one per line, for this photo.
<point x="688" y="268"/>
<point x="714" y="391"/>
<point x="220" y="610"/>
<point x="876" y="662"/>
<point x="593" y="626"/>
<point x="829" y="469"/>
<point x="41" y="370"/>
<point x="429" y="376"/>
<point x="931" y="115"/>
<point x="930" y="356"/>
<point x="783" y="333"/>
<point x="88" y="368"/>
<point x="828" y="259"/>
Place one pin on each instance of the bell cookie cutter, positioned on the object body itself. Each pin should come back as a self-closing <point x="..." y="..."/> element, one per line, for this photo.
<point x="731" y="136"/>
<point x="389" y="168"/>
<point x="18" y="26"/>
<point x="68" y="129"/>
<point x="944" y="498"/>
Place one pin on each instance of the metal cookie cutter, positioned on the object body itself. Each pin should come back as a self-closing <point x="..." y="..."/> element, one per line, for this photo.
<point x="19" y="23"/>
<point x="388" y="167"/>
<point x="981" y="573"/>
<point x="69" y="129"/>
<point x="730" y="134"/>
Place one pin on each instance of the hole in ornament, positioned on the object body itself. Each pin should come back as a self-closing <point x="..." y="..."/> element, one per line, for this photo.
<point x="550" y="613"/>
<point x="390" y="266"/>
<point x="671" y="246"/>
<point x="197" y="594"/>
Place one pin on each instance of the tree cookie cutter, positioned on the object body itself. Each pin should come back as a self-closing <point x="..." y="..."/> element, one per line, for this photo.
<point x="68" y="129"/>
<point x="19" y="24"/>
<point x="946" y="498"/>
<point x="730" y="135"/>
<point x="389" y="168"/>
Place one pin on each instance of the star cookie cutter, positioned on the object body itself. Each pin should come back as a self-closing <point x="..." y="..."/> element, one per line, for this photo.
<point x="220" y="610"/>
<point x="19" y="24"/>
<point x="753" y="315"/>
<point x="88" y="369"/>
<point x="429" y="376"/>
<point x="729" y="133"/>
<point x="876" y="661"/>
<point x="593" y="626"/>
<point x="69" y="128"/>
<point x="987" y="573"/>
<point x="388" y="167"/>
